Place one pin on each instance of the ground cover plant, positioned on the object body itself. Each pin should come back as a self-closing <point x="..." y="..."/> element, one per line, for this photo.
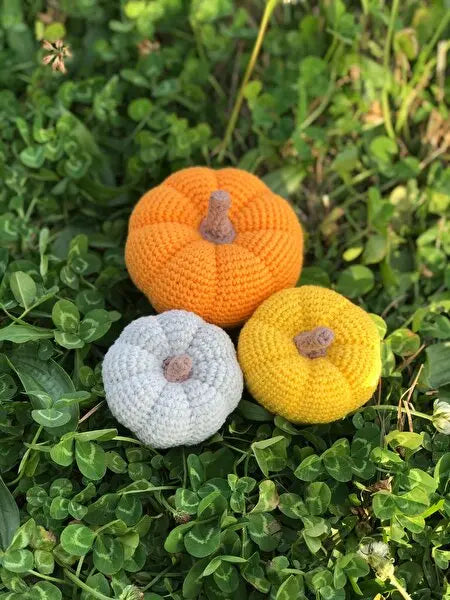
<point x="344" y="112"/>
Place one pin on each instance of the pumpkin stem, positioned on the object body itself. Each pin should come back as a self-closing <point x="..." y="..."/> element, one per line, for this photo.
<point x="314" y="343"/>
<point x="216" y="226"/>
<point x="177" y="368"/>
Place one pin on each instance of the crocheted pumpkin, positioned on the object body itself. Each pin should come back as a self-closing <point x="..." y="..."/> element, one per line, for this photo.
<point x="172" y="379"/>
<point x="310" y="355"/>
<point x="217" y="243"/>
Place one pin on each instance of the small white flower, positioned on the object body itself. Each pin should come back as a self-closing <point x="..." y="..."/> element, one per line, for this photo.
<point x="441" y="416"/>
<point x="131" y="592"/>
<point x="374" y="548"/>
<point x="378" y="556"/>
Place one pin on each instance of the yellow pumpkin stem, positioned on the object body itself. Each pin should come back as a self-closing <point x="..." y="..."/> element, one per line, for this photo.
<point x="314" y="343"/>
<point x="216" y="226"/>
<point x="177" y="368"/>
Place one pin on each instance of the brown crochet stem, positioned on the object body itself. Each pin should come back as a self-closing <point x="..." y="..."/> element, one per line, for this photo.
<point x="314" y="343"/>
<point x="216" y="226"/>
<point x="177" y="368"/>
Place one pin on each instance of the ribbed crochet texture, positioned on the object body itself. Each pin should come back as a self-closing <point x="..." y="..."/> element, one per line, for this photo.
<point x="170" y="261"/>
<point x="166" y="413"/>
<point x="302" y="389"/>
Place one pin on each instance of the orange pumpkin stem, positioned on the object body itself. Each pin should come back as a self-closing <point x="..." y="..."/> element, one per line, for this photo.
<point x="314" y="343"/>
<point x="177" y="368"/>
<point x="216" y="226"/>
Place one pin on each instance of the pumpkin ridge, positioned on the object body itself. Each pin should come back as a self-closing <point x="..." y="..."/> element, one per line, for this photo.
<point x="128" y="343"/>
<point x="269" y="270"/>
<point x="289" y="237"/>
<point x="191" y="202"/>
<point x="174" y="256"/>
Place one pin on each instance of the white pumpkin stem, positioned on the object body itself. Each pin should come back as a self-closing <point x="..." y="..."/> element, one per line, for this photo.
<point x="177" y="368"/>
<point x="216" y="226"/>
<point x="314" y="343"/>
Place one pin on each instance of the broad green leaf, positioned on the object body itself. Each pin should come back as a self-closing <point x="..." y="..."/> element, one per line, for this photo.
<point x="91" y="460"/>
<point x="355" y="281"/>
<point x="264" y="530"/>
<point x="268" y="497"/>
<point x="406" y="439"/>
<point x="102" y="435"/>
<point x="129" y="510"/>
<point x="23" y="535"/>
<point x="59" y="508"/>
<point x="438" y="357"/>
<point x="193" y="581"/>
<point x="310" y="468"/>
<point x="290" y="588"/>
<point x="315" y="526"/>
<point x="18" y="561"/>
<point x="202" y="540"/>
<point x="20" y="334"/>
<point x="292" y="506"/>
<point x="175" y="540"/>
<point x="44" y="590"/>
<point x="68" y="340"/>
<point x="318" y="498"/>
<point x="46" y="376"/>
<point x="404" y="342"/>
<point x="62" y="453"/>
<point x="384" y="505"/>
<point x="212" y="505"/>
<point x="50" y="417"/>
<point x="226" y="578"/>
<point x="9" y="516"/>
<point x="255" y="574"/>
<point x="8" y="387"/>
<point x="108" y="554"/>
<point x="77" y="539"/>
<point x="44" y="561"/>
<point x="186" y="501"/>
<point x="65" y="316"/>
<point x="96" y="324"/>
<point x="97" y="582"/>
<point x="23" y="288"/>
<point x="196" y="471"/>
<point x="270" y="454"/>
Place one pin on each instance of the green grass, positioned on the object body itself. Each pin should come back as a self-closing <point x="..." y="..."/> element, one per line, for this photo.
<point x="344" y="112"/>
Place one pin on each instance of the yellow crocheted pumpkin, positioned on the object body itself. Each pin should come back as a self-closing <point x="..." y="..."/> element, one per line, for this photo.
<point x="310" y="355"/>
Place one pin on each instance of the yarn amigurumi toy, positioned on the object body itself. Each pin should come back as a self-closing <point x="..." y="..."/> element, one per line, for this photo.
<point x="310" y="355"/>
<point x="216" y="243"/>
<point x="172" y="379"/>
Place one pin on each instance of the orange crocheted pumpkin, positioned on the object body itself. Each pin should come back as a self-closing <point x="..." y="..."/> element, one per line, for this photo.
<point x="216" y="243"/>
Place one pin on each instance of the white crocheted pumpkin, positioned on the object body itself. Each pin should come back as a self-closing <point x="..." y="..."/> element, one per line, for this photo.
<point x="172" y="378"/>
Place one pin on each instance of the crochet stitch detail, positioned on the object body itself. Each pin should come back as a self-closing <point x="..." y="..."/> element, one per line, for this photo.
<point x="177" y="368"/>
<point x="171" y="262"/>
<point x="164" y="413"/>
<point x="292" y="385"/>
<point x="314" y="343"/>
<point x="217" y="227"/>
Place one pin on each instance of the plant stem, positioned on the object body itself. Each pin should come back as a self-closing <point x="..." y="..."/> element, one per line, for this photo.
<point x="121" y="438"/>
<point x="23" y="462"/>
<point x="48" y="577"/>
<point x="387" y="55"/>
<point x="401" y="590"/>
<point x="415" y="413"/>
<point x="84" y="586"/>
<point x="270" y="6"/>
<point x="155" y="489"/>
<point x="156" y="579"/>
<point x="387" y="47"/>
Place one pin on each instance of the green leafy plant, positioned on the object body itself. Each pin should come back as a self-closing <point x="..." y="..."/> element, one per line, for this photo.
<point x="343" y="109"/>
